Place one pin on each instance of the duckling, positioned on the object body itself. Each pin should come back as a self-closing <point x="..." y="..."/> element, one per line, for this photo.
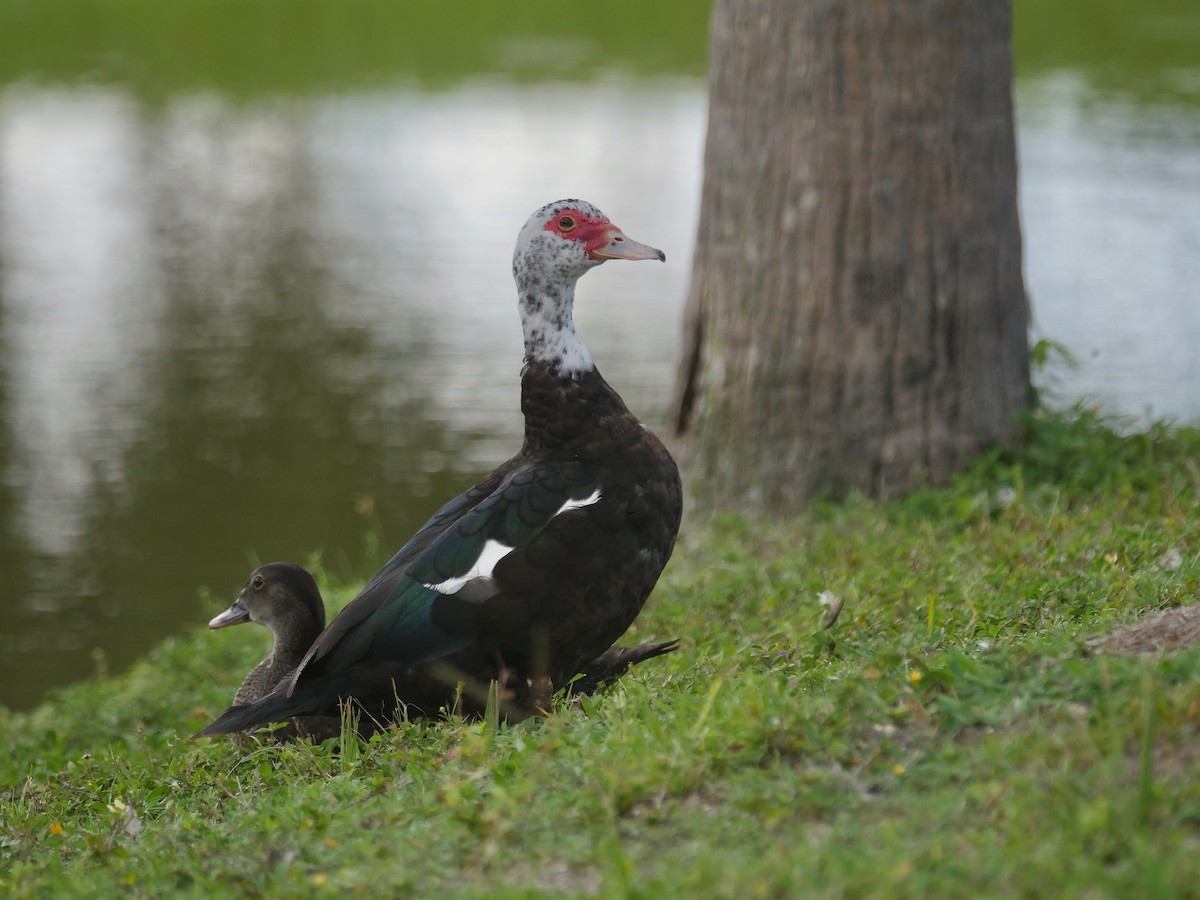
<point x="286" y="599"/>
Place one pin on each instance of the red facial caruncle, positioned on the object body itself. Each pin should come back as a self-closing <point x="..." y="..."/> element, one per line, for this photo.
<point x="601" y="239"/>
<point x="573" y="225"/>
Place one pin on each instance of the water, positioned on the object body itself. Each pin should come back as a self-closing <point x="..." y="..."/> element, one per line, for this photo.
<point x="1110" y="213"/>
<point x="233" y="331"/>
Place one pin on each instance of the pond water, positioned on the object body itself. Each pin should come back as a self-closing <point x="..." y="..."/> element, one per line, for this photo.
<point x="1110" y="216"/>
<point x="234" y="329"/>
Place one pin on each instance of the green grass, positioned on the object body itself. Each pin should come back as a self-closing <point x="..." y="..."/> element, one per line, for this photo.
<point x="951" y="736"/>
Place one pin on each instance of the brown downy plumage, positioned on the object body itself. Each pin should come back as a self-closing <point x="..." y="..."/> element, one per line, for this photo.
<point x="286" y="599"/>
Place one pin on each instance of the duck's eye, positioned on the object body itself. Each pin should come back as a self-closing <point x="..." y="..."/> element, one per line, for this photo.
<point x="566" y="223"/>
<point x="257" y="582"/>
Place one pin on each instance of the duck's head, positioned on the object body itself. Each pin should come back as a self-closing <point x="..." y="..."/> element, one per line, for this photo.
<point x="559" y="243"/>
<point x="564" y="239"/>
<point x="279" y="595"/>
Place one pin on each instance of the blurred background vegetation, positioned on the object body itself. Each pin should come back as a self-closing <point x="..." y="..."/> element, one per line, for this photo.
<point x="255" y="47"/>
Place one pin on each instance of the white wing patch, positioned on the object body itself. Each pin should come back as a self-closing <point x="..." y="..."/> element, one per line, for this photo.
<point x="593" y="497"/>
<point x="493" y="551"/>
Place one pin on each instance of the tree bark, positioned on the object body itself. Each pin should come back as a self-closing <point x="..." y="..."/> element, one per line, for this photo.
<point x="857" y="316"/>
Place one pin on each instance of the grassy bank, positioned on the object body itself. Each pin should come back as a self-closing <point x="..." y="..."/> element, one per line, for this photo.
<point x="952" y="735"/>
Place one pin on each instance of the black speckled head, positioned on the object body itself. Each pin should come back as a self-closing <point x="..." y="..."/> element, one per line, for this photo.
<point x="558" y="244"/>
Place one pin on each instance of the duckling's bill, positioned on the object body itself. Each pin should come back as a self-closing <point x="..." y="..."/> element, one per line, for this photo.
<point x="235" y="615"/>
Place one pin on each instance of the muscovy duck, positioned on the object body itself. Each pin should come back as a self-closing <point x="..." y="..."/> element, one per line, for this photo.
<point x="536" y="570"/>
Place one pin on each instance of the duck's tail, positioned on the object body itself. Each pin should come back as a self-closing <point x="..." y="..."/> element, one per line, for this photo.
<point x="275" y="707"/>
<point x="615" y="662"/>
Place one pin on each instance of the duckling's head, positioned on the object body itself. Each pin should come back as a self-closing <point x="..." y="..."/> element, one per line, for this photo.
<point x="281" y="596"/>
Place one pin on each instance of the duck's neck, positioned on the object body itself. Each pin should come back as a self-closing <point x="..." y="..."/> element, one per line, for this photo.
<point x="290" y="646"/>
<point x="547" y="320"/>
<point x="286" y="652"/>
<point x="569" y="414"/>
<point x="261" y="679"/>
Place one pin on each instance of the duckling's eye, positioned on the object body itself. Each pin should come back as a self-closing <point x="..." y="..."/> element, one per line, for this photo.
<point x="257" y="582"/>
<point x="566" y="223"/>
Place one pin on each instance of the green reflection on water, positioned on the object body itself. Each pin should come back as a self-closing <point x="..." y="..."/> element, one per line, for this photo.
<point x="255" y="438"/>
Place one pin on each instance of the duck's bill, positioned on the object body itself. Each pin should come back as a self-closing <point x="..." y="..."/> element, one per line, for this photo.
<point x="232" y="616"/>
<point x="618" y="246"/>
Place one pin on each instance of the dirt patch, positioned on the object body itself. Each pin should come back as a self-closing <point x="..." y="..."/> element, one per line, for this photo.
<point x="1172" y="630"/>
